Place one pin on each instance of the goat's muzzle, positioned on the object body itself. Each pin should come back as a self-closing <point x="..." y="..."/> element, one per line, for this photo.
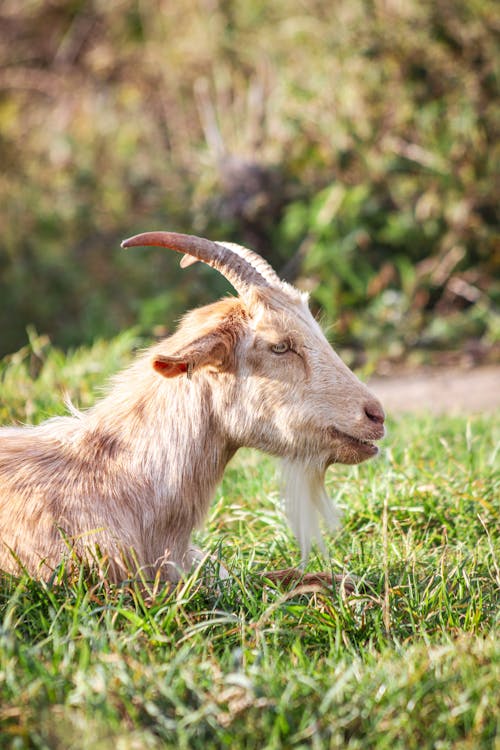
<point x="353" y="449"/>
<point x="365" y="445"/>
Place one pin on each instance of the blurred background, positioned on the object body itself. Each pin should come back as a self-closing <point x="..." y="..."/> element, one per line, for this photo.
<point x="353" y="143"/>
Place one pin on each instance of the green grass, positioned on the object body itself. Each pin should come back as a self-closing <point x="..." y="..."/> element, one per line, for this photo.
<point x="411" y="662"/>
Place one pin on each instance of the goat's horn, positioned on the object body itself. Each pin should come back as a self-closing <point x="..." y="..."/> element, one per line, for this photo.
<point x="242" y="267"/>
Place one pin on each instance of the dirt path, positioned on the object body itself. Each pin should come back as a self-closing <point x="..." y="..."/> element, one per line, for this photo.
<point x="450" y="391"/>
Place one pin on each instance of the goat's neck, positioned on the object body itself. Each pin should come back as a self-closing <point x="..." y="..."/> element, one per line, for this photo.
<point x="169" y="434"/>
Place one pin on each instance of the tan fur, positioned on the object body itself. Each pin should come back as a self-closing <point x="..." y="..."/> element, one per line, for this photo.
<point x="134" y="475"/>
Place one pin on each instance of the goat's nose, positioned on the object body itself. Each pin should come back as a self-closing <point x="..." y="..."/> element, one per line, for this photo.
<point x="374" y="412"/>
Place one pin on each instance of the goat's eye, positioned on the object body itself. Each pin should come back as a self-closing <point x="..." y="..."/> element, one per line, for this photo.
<point x="281" y="348"/>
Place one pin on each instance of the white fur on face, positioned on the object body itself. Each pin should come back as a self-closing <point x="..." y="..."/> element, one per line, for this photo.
<point x="306" y="502"/>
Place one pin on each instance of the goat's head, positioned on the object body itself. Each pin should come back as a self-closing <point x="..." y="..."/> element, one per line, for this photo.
<point x="282" y="388"/>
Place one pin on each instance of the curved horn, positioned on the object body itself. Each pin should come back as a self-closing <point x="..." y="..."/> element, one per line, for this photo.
<point x="255" y="260"/>
<point x="242" y="267"/>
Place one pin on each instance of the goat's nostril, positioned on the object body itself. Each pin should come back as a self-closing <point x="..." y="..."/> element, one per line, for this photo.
<point x="375" y="413"/>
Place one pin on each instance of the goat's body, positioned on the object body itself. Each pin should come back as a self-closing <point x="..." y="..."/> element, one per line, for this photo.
<point x="98" y="481"/>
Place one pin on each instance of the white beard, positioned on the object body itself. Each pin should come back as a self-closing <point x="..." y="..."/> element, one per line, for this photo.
<point x="306" y="501"/>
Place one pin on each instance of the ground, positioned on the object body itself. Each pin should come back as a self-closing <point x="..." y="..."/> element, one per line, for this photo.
<point x="440" y="391"/>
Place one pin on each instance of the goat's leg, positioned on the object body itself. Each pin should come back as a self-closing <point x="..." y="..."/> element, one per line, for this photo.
<point x="292" y="577"/>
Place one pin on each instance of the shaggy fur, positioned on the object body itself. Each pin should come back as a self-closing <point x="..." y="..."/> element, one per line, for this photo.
<point x="134" y="475"/>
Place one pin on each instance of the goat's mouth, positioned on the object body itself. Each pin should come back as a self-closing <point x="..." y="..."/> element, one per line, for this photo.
<point x="353" y="449"/>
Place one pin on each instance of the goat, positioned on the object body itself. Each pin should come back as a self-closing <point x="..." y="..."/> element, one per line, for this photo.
<point x="133" y="475"/>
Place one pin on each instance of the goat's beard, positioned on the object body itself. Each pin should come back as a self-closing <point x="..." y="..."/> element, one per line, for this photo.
<point x="306" y="501"/>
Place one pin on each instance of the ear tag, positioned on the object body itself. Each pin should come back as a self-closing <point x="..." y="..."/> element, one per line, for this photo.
<point x="189" y="371"/>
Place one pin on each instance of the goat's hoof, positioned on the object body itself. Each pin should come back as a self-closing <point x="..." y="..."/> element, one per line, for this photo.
<point x="292" y="577"/>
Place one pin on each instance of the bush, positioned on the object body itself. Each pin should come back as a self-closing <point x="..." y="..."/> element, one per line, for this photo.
<point x="353" y="145"/>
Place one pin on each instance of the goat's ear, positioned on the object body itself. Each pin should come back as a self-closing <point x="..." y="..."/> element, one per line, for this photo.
<point x="170" y="367"/>
<point x="212" y="350"/>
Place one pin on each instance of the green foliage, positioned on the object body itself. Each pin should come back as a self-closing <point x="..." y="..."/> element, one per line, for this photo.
<point x="37" y="379"/>
<point x="359" y="138"/>
<point x="411" y="661"/>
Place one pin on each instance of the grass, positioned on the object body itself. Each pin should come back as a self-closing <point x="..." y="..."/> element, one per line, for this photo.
<point x="411" y="662"/>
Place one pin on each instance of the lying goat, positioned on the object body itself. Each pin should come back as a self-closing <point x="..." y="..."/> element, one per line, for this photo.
<point x="134" y="475"/>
